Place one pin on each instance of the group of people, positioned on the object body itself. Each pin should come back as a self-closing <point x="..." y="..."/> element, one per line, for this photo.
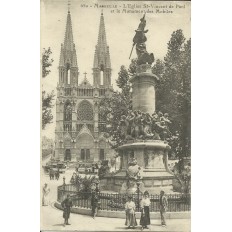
<point x="67" y="205"/>
<point x="93" y="168"/>
<point x="145" y="221"/>
<point x="140" y="125"/>
<point x="130" y="209"/>
<point x="54" y="174"/>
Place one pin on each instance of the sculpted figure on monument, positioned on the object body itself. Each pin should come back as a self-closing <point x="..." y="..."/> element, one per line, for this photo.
<point x="122" y="128"/>
<point x="142" y="125"/>
<point x="155" y="120"/>
<point x="130" y="118"/>
<point x="147" y="126"/>
<point x="153" y="159"/>
<point x="137" y="121"/>
<point x="163" y="129"/>
<point x="139" y="125"/>
<point x="133" y="171"/>
<point x="139" y="39"/>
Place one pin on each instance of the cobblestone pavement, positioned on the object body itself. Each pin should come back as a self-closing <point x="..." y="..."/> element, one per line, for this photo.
<point x="52" y="220"/>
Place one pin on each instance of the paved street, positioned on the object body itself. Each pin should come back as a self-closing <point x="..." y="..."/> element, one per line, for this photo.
<point x="51" y="217"/>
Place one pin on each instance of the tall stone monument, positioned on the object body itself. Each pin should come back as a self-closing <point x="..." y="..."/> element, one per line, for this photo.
<point x="143" y="155"/>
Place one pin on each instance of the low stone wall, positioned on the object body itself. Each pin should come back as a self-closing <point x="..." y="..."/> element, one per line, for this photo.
<point x="121" y="214"/>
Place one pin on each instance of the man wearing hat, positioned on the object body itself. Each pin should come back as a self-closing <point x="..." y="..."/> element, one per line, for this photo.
<point x="95" y="202"/>
<point x="163" y="207"/>
<point x="66" y="205"/>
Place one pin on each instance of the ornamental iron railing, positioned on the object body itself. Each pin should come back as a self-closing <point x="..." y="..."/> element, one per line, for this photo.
<point x="116" y="202"/>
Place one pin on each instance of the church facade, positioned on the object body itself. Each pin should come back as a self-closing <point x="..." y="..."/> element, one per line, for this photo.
<point x="79" y="129"/>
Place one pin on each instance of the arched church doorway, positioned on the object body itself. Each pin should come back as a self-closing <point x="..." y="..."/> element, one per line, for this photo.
<point x="67" y="155"/>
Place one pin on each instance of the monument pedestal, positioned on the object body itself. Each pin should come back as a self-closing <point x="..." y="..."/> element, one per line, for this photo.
<point x="143" y="85"/>
<point x="151" y="156"/>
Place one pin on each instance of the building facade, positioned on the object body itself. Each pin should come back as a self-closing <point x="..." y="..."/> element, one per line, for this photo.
<point x="79" y="129"/>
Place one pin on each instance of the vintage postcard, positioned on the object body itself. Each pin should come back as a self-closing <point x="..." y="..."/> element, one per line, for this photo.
<point x="116" y="115"/>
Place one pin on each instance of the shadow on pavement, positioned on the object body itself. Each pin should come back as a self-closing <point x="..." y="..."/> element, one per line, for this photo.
<point x="61" y="224"/>
<point x="128" y="229"/>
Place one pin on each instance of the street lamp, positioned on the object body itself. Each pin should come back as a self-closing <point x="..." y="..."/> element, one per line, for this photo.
<point x="138" y="182"/>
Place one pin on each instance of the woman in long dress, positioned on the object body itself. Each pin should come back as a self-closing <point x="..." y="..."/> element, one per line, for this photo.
<point x="145" y="212"/>
<point x="130" y="213"/>
<point x="46" y="191"/>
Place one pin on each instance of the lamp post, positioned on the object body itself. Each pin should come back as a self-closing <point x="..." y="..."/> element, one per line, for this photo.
<point x="138" y="182"/>
<point x="64" y="181"/>
<point x="64" y="186"/>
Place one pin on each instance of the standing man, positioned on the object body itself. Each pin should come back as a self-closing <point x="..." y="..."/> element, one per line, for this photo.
<point x="66" y="205"/>
<point x="58" y="174"/>
<point x="95" y="202"/>
<point x="50" y="173"/>
<point x="163" y="207"/>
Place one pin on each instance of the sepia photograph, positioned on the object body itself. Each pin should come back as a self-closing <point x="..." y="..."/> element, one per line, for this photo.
<point x="115" y="115"/>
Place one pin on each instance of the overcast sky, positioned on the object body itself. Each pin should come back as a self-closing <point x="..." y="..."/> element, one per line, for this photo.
<point x="119" y="33"/>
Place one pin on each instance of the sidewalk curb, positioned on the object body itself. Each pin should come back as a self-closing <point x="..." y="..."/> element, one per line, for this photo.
<point x="121" y="214"/>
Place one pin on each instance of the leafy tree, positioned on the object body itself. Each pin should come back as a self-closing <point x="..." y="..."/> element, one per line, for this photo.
<point x="158" y="68"/>
<point x="84" y="185"/>
<point x="174" y="90"/>
<point x="183" y="176"/>
<point x="47" y="98"/>
<point x="46" y="61"/>
<point x="132" y="67"/>
<point x="123" y="81"/>
<point x="113" y="108"/>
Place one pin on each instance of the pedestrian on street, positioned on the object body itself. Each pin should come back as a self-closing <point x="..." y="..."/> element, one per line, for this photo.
<point x="93" y="168"/>
<point x="58" y="174"/>
<point x="66" y="205"/>
<point x="163" y="207"/>
<point x="130" y="213"/>
<point x="95" y="202"/>
<point x="46" y="191"/>
<point x="145" y="211"/>
<point x="50" y="173"/>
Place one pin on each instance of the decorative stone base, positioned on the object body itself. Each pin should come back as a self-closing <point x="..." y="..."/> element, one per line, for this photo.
<point x="152" y="157"/>
<point x="153" y="183"/>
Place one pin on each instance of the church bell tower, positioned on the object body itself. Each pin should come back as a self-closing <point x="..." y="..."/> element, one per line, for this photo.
<point x="102" y="64"/>
<point x="66" y="92"/>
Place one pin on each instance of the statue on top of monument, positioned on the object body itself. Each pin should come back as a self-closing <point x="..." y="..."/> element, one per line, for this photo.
<point x="139" y="40"/>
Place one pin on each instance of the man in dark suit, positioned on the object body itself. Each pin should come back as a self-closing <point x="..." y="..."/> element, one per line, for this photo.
<point x="66" y="205"/>
<point x="163" y="207"/>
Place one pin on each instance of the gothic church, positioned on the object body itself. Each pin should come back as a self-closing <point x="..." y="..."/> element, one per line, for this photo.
<point x="79" y="129"/>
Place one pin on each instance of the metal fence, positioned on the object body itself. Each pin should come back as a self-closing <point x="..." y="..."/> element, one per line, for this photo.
<point x="115" y="202"/>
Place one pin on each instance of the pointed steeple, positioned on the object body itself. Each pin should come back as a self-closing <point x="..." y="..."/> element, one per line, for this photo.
<point x="68" y="59"/>
<point x="101" y="61"/>
<point x="101" y="43"/>
<point x="68" y="39"/>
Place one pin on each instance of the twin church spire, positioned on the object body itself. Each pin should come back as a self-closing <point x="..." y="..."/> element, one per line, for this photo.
<point x="68" y="68"/>
<point x="102" y="64"/>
